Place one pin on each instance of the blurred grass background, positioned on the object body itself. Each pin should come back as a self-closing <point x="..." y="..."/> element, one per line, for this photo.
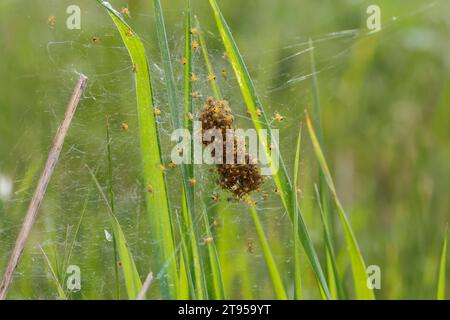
<point x="385" y="116"/>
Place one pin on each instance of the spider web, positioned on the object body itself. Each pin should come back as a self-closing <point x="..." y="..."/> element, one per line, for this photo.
<point x="284" y="86"/>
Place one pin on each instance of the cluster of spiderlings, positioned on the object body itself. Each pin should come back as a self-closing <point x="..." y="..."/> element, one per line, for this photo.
<point x="238" y="178"/>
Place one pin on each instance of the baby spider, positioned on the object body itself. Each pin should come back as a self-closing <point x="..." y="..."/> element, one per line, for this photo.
<point x="172" y="164"/>
<point x="162" y="168"/>
<point x="149" y="188"/>
<point x="190" y="116"/>
<point x="278" y="117"/>
<point x="192" y="181"/>
<point x="225" y="56"/>
<point x="216" y="224"/>
<point x="195" y="45"/>
<point x="215" y="197"/>
<point x="234" y="187"/>
<point x="125" y="11"/>
<point x="258" y="112"/>
<point x="51" y="20"/>
<point x="183" y="60"/>
<point x="224" y="74"/>
<point x="96" y="40"/>
<point x="194" y="31"/>
<point x="135" y="68"/>
<point x="196" y="95"/>
<point x="129" y="33"/>
<point x="250" y="246"/>
<point x="157" y="111"/>
<point x="211" y="77"/>
<point x="252" y="203"/>
<point x="194" y="78"/>
<point x="124" y="126"/>
<point x="208" y="240"/>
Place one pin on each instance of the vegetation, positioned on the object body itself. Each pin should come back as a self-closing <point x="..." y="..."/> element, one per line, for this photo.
<point x="364" y="150"/>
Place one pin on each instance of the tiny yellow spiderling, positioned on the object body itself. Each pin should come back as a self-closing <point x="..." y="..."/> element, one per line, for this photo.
<point x="51" y="20"/>
<point x="125" y="11"/>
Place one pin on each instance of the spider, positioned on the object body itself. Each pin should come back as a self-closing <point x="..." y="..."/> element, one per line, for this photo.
<point x="51" y="20"/>
<point x="195" y="45"/>
<point x="194" y="78"/>
<point x="278" y="117"/>
<point x="125" y="11"/>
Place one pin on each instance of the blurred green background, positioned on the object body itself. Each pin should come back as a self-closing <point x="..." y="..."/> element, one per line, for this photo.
<point x="385" y="116"/>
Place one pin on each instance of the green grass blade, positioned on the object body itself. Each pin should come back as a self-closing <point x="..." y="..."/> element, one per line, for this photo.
<point x="356" y="259"/>
<point x="281" y="177"/>
<point x="186" y="287"/>
<point x="187" y="75"/>
<point x="215" y="88"/>
<point x="167" y="65"/>
<point x="59" y="286"/>
<point x="111" y="201"/>
<point x="187" y="170"/>
<point x="315" y="93"/>
<point x="218" y="283"/>
<point x="442" y="267"/>
<point x="218" y="286"/>
<point x="331" y="256"/>
<point x="189" y="173"/>
<point x="200" y="280"/>
<point x="156" y="201"/>
<point x="217" y="94"/>
<point x="183" y="293"/>
<point x="273" y="270"/>
<point x="77" y="229"/>
<point x="297" y="274"/>
<point x="133" y="282"/>
<point x="336" y="289"/>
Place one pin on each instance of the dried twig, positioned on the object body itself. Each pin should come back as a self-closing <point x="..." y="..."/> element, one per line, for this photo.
<point x="39" y="193"/>
<point x="145" y="287"/>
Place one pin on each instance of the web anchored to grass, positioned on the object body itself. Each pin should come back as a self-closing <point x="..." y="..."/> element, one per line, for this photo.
<point x="260" y="120"/>
<point x="140" y="212"/>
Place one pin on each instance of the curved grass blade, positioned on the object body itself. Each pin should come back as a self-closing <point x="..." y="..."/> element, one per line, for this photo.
<point x="59" y="287"/>
<point x="215" y="88"/>
<point x="336" y="287"/>
<point x="218" y="282"/>
<point x="186" y="287"/>
<point x="191" y="229"/>
<point x="183" y="293"/>
<point x="442" y="267"/>
<point x="273" y="270"/>
<point x="219" y="292"/>
<point x="187" y="67"/>
<point x="297" y="274"/>
<point x="111" y="201"/>
<point x="331" y="256"/>
<point x="167" y="65"/>
<point x="133" y="282"/>
<point x="157" y="200"/>
<point x="280" y="176"/>
<point x="356" y="259"/>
